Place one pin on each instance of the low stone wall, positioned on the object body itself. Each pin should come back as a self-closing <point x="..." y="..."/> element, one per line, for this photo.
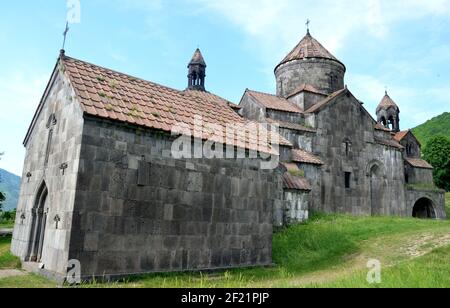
<point x="294" y="209"/>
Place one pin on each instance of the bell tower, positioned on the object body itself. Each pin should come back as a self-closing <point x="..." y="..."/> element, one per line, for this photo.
<point x="388" y="114"/>
<point x="197" y="72"/>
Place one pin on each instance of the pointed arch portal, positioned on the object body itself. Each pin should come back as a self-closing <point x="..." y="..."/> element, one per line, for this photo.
<point x="39" y="220"/>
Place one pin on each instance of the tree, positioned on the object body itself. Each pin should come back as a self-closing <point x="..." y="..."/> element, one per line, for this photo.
<point x="437" y="153"/>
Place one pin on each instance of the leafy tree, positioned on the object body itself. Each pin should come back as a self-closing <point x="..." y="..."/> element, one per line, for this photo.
<point x="9" y="216"/>
<point x="437" y="153"/>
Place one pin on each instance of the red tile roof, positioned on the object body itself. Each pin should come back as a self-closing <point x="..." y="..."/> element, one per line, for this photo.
<point x="400" y="135"/>
<point x="291" y="181"/>
<point x="306" y="88"/>
<point x="418" y="163"/>
<point x="317" y="107"/>
<point x="292" y="126"/>
<point x="112" y="95"/>
<point x="301" y="156"/>
<point x="296" y="183"/>
<point x="197" y="58"/>
<point x="308" y="47"/>
<point x="387" y="103"/>
<point x="274" y="102"/>
<point x="390" y="143"/>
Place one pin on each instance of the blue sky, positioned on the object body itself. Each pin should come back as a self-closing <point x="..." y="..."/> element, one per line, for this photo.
<point x="400" y="44"/>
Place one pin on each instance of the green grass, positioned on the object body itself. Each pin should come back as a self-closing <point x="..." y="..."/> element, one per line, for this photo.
<point x="29" y="281"/>
<point x="7" y="260"/>
<point x="7" y="225"/>
<point x="429" y="271"/>
<point x="329" y="250"/>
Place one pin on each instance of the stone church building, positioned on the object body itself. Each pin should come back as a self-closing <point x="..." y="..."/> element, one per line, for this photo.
<point x="101" y="185"/>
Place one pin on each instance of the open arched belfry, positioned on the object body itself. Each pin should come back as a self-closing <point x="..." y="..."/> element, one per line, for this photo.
<point x="101" y="185"/>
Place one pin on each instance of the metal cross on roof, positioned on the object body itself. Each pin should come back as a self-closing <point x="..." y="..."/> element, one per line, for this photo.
<point x="307" y="24"/>
<point x="65" y="34"/>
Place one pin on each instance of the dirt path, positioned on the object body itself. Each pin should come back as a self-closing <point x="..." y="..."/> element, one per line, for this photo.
<point x="11" y="273"/>
<point x="393" y="250"/>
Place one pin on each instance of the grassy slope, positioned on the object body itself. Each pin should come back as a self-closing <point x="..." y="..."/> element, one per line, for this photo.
<point x="436" y="126"/>
<point x="327" y="251"/>
<point x="7" y="261"/>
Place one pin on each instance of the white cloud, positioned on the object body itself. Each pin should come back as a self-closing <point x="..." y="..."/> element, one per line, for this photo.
<point x="274" y="27"/>
<point x="283" y="22"/>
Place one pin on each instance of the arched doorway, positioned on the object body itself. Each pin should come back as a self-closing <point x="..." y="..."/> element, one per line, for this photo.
<point x="376" y="178"/>
<point x="39" y="219"/>
<point x="424" y="209"/>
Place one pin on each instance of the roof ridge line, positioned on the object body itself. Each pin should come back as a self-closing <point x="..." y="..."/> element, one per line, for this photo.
<point x="125" y="74"/>
<point x="274" y="95"/>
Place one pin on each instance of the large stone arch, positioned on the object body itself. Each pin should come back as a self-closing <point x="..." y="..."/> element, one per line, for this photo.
<point x="424" y="208"/>
<point x="376" y="174"/>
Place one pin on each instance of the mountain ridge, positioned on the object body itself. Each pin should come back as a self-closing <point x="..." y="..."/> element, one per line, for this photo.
<point x="10" y="186"/>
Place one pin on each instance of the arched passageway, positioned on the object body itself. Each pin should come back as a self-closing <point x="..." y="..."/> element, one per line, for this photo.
<point x="424" y="209"/>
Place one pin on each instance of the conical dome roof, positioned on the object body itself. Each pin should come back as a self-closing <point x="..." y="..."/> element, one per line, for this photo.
<point x="197" y="58"/>
<point x="308" y="47"/>
<point x="387" y="103"/>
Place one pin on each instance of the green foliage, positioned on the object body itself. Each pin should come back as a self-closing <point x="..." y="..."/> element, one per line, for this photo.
<point x="436" y="126"/>
<point x="7" y="261"/>
<point x="423" y="186"/>
<point x="9" y="216"/>
<point x="437" y="153"/>
<point x="113" y="83"/>
<point x="297" y="173"/>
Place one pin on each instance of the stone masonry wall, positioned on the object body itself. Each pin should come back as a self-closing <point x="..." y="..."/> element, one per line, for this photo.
<point x="419" y="175"/>
<point x="65" y="148"/>
<point x="183" y="215"/>
<point x="306" y="100"/>
<point x="300" y="140"/>
<point x="251" y="109"/>
<point x="297" y="206"/>
<point x="346" y="120"/>
<point x="316" y="72"/>
<point x="437" y="198"/>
